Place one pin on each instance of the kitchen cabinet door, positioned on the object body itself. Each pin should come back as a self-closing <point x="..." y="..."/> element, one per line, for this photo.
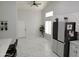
<point x="73" y="50"/>
<point x="54" y="46"/>
<point x="77" y="51"/>
<point x="60" y="49"/>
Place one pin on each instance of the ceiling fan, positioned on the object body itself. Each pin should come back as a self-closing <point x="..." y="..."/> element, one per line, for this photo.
<point x="34" y="3"/>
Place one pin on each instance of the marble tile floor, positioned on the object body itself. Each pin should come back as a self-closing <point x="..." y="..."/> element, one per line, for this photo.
<point x="34" y="47"/>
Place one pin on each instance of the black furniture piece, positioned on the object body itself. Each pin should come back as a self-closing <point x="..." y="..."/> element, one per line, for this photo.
<point x="12" y="51"/>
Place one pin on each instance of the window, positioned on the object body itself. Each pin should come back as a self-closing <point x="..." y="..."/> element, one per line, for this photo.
<point x="48" y="14"/>
<point x="48" y="27"/>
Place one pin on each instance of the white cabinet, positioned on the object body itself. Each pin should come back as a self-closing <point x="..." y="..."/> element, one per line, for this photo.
<point x="55" y="46"/>
<point x="60" y="49"/>
<point x="74" y="49"/>
<point x="77" y="51"/>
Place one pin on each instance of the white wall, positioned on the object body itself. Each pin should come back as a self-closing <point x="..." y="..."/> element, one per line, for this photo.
<point x="62" y="9"/>
<point x="8" y="13"/>
<point x="32" y="19"/>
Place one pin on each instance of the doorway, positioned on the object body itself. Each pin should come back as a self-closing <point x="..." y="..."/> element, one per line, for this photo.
<point x="21" y="29"/>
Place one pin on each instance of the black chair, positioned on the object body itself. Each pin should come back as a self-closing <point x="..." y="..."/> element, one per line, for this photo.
<point x="12" y="51"/>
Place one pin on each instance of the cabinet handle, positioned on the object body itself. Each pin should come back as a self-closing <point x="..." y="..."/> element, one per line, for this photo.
<point x="76" y="51"/>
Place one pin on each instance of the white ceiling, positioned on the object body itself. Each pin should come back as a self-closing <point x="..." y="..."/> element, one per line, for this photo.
<point x="25" y="5"/>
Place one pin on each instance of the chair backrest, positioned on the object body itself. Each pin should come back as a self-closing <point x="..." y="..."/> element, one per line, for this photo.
<point x="16" y="42"/>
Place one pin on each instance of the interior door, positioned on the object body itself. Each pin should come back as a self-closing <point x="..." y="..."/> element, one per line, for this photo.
<point x="21" y="29"/>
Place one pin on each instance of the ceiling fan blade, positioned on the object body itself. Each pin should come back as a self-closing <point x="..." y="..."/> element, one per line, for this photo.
<point x="34" y="3"/>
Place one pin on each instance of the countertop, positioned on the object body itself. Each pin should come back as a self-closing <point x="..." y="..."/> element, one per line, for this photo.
<point x="4" y="44"/>
<point x="75" y="42"/>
